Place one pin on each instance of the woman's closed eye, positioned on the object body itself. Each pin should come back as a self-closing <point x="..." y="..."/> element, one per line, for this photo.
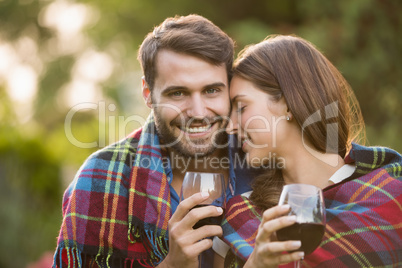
<point x="240" y="109"/>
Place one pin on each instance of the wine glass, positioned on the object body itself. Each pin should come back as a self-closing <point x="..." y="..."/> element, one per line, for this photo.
<point x="307" y="203"/>
<point x="214" y="184"/>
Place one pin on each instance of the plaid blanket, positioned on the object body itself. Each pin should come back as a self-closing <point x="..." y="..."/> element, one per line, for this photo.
<point x="116" y="210"/>
<point x="364" y="216"/>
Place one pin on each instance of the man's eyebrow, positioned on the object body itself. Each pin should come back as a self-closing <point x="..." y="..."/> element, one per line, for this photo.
<point x="217" y="84"/>
<point x="173" y="88"/>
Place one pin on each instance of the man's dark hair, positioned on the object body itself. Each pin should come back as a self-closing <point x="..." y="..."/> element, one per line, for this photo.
<point x="193" y="35"/>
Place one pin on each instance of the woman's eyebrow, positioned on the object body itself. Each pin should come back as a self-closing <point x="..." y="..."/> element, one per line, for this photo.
<point x="237" y="97"/>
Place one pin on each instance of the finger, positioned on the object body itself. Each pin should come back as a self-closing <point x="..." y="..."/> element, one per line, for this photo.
<point x="194" y="236"/>
<point x="272" y="253"/>
<point x="197" y="214"/>
<point x="274" y="212"/>
<point x="278" y="247"/>
<point x="267" y="229"/>
<point x="198" y="247"/>
<point x="206" y="231"/>
<point x="291" y="257"/>
<point x="187" y="204"/>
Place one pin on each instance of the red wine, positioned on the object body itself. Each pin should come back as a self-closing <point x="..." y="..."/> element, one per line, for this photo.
<point x="310" y="235"/>
<point x="208" y="221"/>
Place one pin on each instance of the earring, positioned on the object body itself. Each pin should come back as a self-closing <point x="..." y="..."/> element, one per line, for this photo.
<point x="288" y="118"/>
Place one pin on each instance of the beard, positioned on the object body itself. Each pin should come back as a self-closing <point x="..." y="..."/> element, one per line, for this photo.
<point x="185" y="146"/>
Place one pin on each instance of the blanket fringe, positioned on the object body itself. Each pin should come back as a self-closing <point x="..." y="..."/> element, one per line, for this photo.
<point x="159" y="245"/>
<point x="156" y="243"/>
<point x="134" y="233"/>
<point x="73" y="257"/>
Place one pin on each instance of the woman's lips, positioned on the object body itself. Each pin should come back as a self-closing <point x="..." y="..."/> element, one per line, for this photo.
<point x="244" y="144"/>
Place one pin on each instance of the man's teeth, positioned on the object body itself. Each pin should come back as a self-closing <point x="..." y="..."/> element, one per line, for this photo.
<point x="196" y="129"/>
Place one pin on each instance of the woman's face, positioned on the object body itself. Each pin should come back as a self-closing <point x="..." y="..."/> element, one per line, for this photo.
<point x="259" y="121"/>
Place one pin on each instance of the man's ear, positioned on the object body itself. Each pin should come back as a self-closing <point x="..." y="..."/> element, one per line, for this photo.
<point x="146" y="93"/>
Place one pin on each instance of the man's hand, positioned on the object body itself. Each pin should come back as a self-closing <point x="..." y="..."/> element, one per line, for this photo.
<point x="186" y="243"/>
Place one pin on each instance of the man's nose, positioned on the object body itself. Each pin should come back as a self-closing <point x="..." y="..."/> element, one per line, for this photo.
<point x="197" y="107"/>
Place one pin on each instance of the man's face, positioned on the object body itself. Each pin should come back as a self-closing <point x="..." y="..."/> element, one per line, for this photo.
<point x="191" y="104"/>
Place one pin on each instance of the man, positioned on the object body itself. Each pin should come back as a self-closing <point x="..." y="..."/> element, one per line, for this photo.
<point x="124" y="199"/>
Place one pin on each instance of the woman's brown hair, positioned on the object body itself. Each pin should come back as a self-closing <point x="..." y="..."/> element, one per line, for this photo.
<point x="318" y="96"/>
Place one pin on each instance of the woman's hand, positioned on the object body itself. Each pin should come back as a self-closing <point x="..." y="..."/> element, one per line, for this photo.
<point x="268" y="252"/>
<point x="186" y="243"/>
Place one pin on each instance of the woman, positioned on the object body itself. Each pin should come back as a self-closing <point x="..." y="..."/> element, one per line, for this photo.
<point x="295" y="113"/>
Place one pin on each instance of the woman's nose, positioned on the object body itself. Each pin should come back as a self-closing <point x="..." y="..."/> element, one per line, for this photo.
<point x="232" y="126"/>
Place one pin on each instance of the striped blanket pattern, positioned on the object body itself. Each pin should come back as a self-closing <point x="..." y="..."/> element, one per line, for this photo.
<point x="364" y="216"/>
<point x="115" y="212"/>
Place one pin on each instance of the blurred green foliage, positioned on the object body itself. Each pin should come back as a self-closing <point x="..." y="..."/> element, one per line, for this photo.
<point x="38" y="159"/>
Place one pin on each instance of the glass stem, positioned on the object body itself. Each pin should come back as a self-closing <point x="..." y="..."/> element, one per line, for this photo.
<point x="200" y="260"/>
<point x="298" y="263"/>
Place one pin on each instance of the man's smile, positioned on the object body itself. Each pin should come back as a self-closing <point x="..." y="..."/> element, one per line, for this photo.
<point x="199" y="129"/>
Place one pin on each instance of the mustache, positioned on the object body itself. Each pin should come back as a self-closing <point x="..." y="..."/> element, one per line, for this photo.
<point x="187" y="121"/>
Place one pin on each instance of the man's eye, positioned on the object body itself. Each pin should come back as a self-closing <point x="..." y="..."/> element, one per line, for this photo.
<point x="176" y="94"/>
<point x="211" y="90"/>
